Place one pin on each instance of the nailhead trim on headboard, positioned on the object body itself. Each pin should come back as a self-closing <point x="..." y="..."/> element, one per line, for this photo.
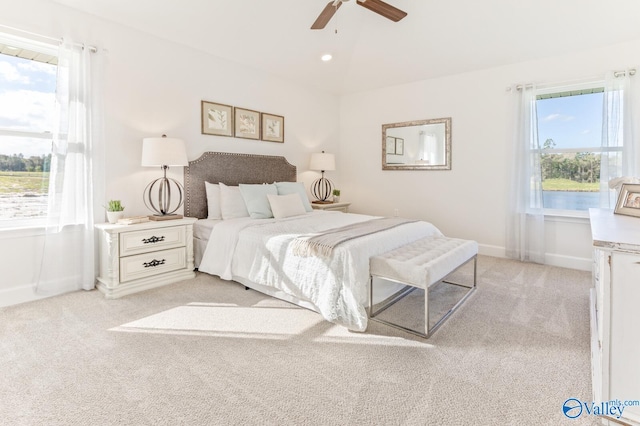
<point x="230" y="169"/>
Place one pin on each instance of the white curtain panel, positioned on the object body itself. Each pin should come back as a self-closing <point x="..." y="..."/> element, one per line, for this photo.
<point x="76" y="181"/>
<point x="619" y="146"/>
<point x="525" y="213"/>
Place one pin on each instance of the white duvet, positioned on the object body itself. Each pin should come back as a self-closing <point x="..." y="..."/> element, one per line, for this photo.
<point x="260" y="251"/>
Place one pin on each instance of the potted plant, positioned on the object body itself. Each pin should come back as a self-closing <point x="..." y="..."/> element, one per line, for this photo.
<point x="115" y="211"/>
<point x="336" y="195"/>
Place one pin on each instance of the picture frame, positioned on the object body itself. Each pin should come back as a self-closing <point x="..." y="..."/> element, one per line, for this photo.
<point x="628" y="200"/>
<point x="390" y="145"/>
<point x="272" y="127"/>
<point x="247" y="123"/>
<point x="399" y="146"/>
<point x="216" y="119"/>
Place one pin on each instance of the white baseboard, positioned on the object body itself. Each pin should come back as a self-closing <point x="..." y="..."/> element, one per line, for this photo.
<point x="570" y="262"/>
<point x="27" y="293"/>
<point x="20" y="294"/>
<point x="551" y="259"/>
<point x="493" y="251"/>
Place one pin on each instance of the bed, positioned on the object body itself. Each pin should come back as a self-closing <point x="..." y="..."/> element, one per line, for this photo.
<point x="277" y="256"/>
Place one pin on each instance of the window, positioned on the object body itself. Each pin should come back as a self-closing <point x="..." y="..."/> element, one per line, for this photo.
<point x="27" y="110"/>
<point x="570" y="137"/>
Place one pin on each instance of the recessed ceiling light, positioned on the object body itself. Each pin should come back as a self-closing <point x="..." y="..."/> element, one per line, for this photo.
<point x="326" y="57"/>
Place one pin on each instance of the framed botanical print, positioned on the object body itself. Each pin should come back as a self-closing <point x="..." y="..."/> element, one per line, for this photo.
<point x="272" y="127"/>
<point x="247" y="123"/>
<point x="217" y="119"/>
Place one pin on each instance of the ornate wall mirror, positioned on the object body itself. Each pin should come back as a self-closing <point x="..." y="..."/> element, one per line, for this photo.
<point x="417" y="145"/>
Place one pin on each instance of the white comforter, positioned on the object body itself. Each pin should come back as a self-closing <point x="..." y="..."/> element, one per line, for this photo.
<point x="260" y="251"/>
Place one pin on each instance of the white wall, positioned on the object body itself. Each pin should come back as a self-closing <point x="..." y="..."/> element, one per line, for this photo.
<point x="470" y="200"/>
<point x="153" y="87"/>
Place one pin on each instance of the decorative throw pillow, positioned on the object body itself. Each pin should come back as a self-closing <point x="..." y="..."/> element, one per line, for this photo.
<point x="286" y="205"/>
<point x="231" y="202"/>
<point x="213" y="200"/>
<point x="255" y="197"/>
<point x="286" y="188"/>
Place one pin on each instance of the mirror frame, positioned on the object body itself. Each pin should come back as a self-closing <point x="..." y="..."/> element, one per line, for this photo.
<point x="447" y="145"/>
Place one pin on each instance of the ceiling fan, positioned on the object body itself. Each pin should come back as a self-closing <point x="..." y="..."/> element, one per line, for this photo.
<point x="377" y="6"/>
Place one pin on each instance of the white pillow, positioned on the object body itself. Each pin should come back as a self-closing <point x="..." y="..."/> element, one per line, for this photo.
<point x="231" y="202"/>
<point x="286" y="205"/>
<point x="286" y="188"/>
<point x="255" y="197"/>
<point x="213" y="200"/>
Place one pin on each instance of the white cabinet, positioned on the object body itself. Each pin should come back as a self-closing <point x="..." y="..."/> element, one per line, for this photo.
<point x="145" y="255"/>
<point x="615" y="313"/>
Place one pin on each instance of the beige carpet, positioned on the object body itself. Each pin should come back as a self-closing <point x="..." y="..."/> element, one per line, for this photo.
<point x="207" y="352"/>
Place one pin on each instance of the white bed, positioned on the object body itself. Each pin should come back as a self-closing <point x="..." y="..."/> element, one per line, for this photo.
<point x="259" y="252"/>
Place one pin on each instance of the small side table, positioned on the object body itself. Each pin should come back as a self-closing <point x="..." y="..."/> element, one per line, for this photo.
<point x="341" y="207"/>
<point x="144" y="255"/>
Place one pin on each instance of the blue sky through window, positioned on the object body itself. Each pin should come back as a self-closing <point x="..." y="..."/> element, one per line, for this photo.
<point x="571" y="121"/>
<point x="27" y="101"/>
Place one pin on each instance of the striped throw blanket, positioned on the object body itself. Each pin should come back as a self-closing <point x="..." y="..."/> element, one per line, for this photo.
<point x="322" y="245"/>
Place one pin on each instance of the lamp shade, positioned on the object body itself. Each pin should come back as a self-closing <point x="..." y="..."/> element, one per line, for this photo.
<point x="322" y="161"/>
<point x="164" y="152"/>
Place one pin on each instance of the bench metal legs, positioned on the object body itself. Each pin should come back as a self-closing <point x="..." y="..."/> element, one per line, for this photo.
<point x="429" y="330"/>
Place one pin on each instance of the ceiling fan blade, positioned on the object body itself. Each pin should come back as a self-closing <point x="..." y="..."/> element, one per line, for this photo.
<point x="326" y="15"/>
<point x="384" y="9"/>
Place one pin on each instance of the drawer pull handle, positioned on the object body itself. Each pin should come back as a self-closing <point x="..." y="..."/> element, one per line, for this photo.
<point x="153" y="263"/>
<point x="152" y="240"/>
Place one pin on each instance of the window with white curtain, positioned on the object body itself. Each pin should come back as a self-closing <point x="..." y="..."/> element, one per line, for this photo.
<point x="27" y="115"/>
<point x="584" y="140"/>
<point x="570" y="144"/>
<point x="51" y="109"/>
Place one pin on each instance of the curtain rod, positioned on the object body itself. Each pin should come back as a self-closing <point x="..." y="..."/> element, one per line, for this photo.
<point x="616" y="74"/>
<point x="622" y="73"/>
<point x="92" y="49"/>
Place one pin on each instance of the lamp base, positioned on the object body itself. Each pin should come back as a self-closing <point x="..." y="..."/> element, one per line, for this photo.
<point x="157" y="195"/>
<point x="322" y="202"/>
<point x="158" y="217"/>
<point x="321" y="189"/>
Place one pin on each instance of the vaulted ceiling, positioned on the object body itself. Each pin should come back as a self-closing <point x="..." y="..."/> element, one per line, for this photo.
<point x="436" y="38"/>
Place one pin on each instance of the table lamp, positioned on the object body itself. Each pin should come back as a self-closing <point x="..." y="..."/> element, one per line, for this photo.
<point x="163" y="152"/>
<point x="321" y="188"/>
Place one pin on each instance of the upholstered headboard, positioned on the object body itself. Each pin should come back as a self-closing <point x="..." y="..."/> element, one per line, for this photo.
<point x="230" y="169"/>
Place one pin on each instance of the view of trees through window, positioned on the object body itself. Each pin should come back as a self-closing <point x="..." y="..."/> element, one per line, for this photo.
<point x="570" y="131"/>
<point x="27" y="102"/>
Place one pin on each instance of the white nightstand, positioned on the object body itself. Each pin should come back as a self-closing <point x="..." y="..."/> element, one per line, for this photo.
<point x="341" y="207"/>
<point x="144" y="255"/>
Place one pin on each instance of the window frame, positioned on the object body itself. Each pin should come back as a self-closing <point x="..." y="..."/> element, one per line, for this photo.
<point x="43" y="50"/>
<point x="560" y="91"/>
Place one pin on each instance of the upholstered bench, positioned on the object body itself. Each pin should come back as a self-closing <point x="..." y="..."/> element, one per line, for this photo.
<point x="422" y="264"/>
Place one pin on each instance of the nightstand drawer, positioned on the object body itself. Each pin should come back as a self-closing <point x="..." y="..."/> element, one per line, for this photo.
<point x="148" y="264"/>
<point x="136" y="242"/>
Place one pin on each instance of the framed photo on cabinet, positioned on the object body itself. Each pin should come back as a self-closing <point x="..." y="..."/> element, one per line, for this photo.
<point x="272" y="127"/>
<point x="247" y="123"/>
<point x="629" y="200"/>
<point x="217" y="119"/>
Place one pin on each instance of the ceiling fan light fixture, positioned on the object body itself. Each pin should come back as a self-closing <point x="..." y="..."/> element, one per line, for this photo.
<point x="326" y="57"/>
<point x="378" y="6"/>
